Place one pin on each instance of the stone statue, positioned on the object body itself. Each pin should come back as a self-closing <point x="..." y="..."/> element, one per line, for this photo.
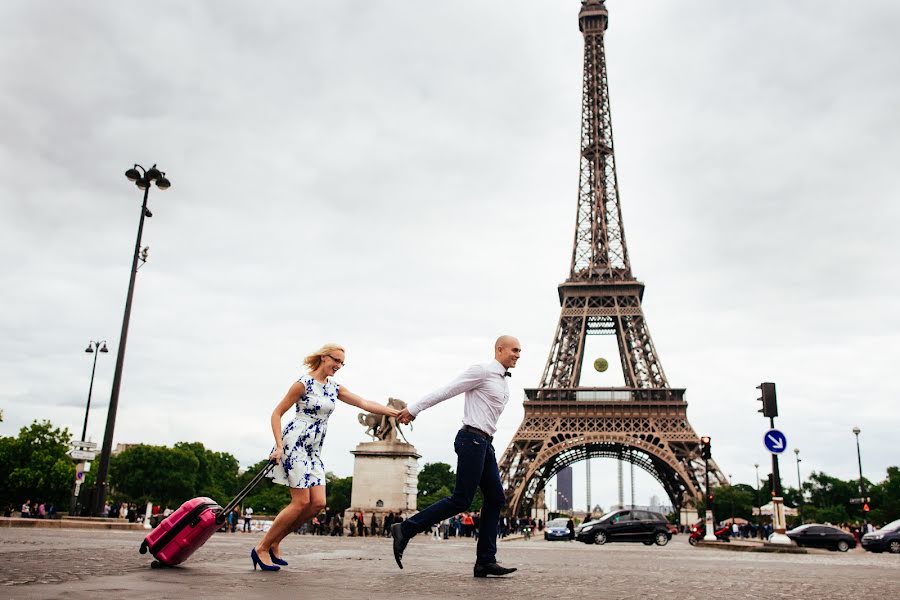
<point x="383" y="427"/>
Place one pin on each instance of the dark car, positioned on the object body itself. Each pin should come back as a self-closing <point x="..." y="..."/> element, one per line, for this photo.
<point x="557" y="529"/>
<point x="886" y="538"/>
<point x="814" y="535"/>
<point x="629" y="525"/>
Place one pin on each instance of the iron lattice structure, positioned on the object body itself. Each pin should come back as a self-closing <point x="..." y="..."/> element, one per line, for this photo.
<point x="645" y="422"/>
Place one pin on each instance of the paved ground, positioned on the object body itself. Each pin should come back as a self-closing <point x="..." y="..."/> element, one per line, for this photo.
<point x="84" y="564"/>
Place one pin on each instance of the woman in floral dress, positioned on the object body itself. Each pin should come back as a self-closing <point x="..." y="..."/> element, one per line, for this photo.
<point x="298" y="447"/>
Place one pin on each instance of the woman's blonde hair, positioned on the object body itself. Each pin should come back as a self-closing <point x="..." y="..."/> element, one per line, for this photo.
<point x="315" y="359"/>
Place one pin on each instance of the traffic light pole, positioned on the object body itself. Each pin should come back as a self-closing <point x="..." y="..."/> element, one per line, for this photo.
<point x="709" y="522"/>
<point x="779" y="523"/>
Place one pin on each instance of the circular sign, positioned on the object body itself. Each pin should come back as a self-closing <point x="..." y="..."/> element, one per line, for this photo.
<point x="775" y="441"/>
<point x="601" y="364"/>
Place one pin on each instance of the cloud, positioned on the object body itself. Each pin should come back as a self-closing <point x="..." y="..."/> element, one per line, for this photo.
<point x="402" y="179"/>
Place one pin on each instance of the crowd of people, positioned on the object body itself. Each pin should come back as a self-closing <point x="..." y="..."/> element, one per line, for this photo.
<point x="34" y="510"/>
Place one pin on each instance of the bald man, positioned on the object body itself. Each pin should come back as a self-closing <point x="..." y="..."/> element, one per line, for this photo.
<point x="486" y="394"/>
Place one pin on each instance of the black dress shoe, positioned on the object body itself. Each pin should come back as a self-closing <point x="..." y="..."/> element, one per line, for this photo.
<point x="400" y="542"/>
<point x="483" y="570"/>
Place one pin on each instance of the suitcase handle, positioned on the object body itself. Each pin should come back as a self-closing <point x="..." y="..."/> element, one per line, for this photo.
<point x="220" y="518"/>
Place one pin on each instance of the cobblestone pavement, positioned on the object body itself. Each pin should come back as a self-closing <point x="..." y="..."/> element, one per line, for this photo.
<point x="84" y="564"/>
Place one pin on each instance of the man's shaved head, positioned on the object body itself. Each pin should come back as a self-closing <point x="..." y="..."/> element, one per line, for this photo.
<point x="507" y="350"/>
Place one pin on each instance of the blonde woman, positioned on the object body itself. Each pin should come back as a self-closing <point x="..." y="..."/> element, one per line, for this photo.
<point x="298" y="447"/>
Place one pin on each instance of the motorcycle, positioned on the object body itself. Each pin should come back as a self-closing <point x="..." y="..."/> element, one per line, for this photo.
<point x="699" y="531"/>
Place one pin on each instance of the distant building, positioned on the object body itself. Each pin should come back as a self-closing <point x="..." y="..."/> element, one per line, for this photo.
<point x="120" y="448"/>
<point x="564" y="489"/>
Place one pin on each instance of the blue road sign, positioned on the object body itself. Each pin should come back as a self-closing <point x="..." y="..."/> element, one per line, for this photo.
<point x="775" y="441"/>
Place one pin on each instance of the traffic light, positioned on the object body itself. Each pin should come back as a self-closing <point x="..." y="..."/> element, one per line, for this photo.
<point x="709" y="499"/>
<point x="705" y="448"/>
<point x="771" y="483"/>
<point x="769" y="403"/>
<point x="866" y="507"/>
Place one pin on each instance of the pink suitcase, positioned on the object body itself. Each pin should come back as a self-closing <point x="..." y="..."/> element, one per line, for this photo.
<point x="180" y="534"/>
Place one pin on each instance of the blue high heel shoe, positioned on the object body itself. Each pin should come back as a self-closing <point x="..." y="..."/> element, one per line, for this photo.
<point x="276" y="560"/>
<point x="255" y="557"/>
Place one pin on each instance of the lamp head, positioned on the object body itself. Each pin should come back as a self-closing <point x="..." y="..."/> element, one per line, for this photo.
<point x="89" y="349"/>
<point x="153" y="174"/>
<point x="163" y="183"/>
<point x="856" y="430"/>
<point x="142" y="183"/>
<point x="133" y="174"/>
<point x="103" y="349"/>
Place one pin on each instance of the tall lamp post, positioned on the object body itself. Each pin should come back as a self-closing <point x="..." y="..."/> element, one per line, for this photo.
<point x="142" y="178"/>
<point x="758" y="508"/>
<point x="799" y="485"/>
<point x="92" y="346"/>
<point x="862" y="485"/>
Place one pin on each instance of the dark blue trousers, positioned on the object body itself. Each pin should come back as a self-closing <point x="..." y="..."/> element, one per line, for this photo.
<point x="476" y="466"/>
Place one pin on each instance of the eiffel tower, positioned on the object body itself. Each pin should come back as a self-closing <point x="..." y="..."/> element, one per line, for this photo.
<point x="645" y="422"/>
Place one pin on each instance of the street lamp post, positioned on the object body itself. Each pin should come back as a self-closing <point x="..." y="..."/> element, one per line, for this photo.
<point x="862" y="485"/>
<point x="731" y="489"/>
<point x="758" y="509"/>
<point x="799" y="485"/>
<point x="92" y="346"/>
<point x="142" y="178"/>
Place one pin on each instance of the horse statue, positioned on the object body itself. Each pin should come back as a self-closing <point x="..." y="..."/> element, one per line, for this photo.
<point x="383" y="427"/>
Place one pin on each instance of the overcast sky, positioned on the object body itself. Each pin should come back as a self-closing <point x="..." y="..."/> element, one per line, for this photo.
<point x="401" y="178"/>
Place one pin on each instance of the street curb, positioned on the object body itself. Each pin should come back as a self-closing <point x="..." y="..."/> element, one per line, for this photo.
<point x="764" y="547"/>
<point x="68" y="524"/>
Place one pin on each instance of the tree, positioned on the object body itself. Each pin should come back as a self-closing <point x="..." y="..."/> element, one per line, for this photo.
<point x="436" y="481"/>
<point x="267" y="497"/>
<point x="217" y="472"/>
<point x="337" y="491"/>
<point x="165" y="476"/>
<point x="35" y="465"/>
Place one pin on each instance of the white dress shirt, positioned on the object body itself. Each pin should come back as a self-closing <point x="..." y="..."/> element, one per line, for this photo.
<point x="487" y="393"/>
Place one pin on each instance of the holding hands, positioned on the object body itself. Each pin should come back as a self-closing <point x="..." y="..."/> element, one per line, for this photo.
<point x="405" y="417"/>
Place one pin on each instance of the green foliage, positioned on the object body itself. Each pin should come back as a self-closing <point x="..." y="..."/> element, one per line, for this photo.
<point x="267" y="497"/>
<point x="216" y="474"/>
<point x="164" y="476"/>
<point x="436" y="481"/>
<point x="337" y="492"/>
<point x="34" y="466"/>
<point x="733" y="501"/>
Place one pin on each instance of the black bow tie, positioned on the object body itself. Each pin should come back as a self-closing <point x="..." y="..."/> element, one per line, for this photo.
<point x="507" y="374"/>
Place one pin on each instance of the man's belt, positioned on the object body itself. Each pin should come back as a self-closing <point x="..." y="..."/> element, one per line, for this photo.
<point x="478" y="432"/>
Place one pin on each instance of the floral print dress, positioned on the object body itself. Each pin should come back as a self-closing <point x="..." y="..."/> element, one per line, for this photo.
<point x="301" y="464"/>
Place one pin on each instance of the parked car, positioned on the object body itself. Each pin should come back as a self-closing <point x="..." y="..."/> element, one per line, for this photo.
<point x="886" y="538"/>
<point x="557" y="529"/>
<point x="814" y="535"/>
<point x="629" y="525"/>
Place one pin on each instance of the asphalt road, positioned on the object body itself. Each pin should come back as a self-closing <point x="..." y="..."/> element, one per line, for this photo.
<point x="90" y="564"/>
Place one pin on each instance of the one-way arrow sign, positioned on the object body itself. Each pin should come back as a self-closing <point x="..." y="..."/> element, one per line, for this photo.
<point x="775" y="441"/>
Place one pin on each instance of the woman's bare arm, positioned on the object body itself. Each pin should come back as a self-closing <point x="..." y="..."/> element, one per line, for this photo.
<point x="293" y="395"/>
<point x="345" y="395"/>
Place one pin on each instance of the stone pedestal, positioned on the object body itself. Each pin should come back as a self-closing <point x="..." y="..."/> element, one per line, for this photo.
<point x="385" y="480"/>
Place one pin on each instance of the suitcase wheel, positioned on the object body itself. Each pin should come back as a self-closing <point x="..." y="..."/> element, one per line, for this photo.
<point x="143" y="549"/>
<point x="156" y="565"/>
